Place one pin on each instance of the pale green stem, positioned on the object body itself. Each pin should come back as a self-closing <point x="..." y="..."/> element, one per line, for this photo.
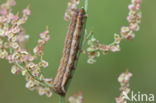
<point x="61" y="99"/>
<point x="87" y="37"/>
<point x="86" y="6"/>
<point x="45" y="84"/>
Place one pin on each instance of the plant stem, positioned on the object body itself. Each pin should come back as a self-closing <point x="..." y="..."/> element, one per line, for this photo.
<point x="61" y="99"/>
<point x="86" y="6"/>
<point x="45" y="84"/>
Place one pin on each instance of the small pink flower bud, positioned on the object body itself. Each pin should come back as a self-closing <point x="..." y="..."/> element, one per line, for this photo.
<point x="12" y="2"/>
<point x="26" y="11"/>
<point x="131" y="7"/>
<point x="4" y="12"/>
<point x="138" y="1"/>
<point x="138" y="7"/>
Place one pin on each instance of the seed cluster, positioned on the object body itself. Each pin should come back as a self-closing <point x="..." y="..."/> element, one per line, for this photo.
<point x="76" y="98"/>
<point x="71" y="7"/>
<point x="127" y="32"/>
<point x="12" y="49"/>
<point x="124" y="79"/>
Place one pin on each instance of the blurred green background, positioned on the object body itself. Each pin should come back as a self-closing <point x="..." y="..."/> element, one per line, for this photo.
<point x="98" y="81"/>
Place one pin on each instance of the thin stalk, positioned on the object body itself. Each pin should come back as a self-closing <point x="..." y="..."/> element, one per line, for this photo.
<point x="86" y="6"/>
<point x="45" y="84"/>
<point x="87" y="37"/>
<point x="61" y="99"/>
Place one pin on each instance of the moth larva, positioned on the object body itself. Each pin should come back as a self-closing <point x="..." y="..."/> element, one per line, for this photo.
<point x="70" y="51"/>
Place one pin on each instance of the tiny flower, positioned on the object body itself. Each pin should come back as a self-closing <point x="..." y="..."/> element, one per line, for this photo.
<point x="15" y="17"/>
<point x="31" y="58"/>
<point x="120" y="100"/>
<point x="29" y="84"/>
<point x="48" y="80"/>
<point x="4" y="12"/>
<point x="124" y="29"/>
<point x="41" y="91"/>
<point x="12" y="2"/>
<point x="105" y="52"/>
<point x="134" y="27"/>
<point x="115" y="48"/>
<point x="125" y="91"/>
<point x="24" y="72"/>
<point x="15" y="30"/>
<point x="132" y="7"/>
<point x="1" y="41"/>
<point x="41" y="42"/>
<point x="48" y="92"/>
<point x="15" y="56"/>
<point x="72" y="5"/>
<point x="44" y="63"/>
<point x="103" y="47"/>
<point x="41" y="77"/>
<point x="6" y="45"/>
<point x="38" y="50"/>
<point x="97" y="54"/>
<point x="138" y="1"/>
<point x="24" y="52"/>
<point x="31" y="65"/>
<point x="3" y="54"/>
<point x="35" y="50"/>
<point x="124" y="82"/>
<point x="130" y="36"/>
<point x="27" y="11"/>
<point x="14" y="39"/>
<point x="10" y="35"/>
<point x="15" y="69"/>
<point x="93" y="39"/>
<point x="76" y="98"/>
<point x="2" y="32"/>
<point x="139" y="14"/>
<point x="47" y="38"/>
<point x="66" y="17"/>
<point x="121" y="77"/>
<point x="2" y="19"/>
<point x="124" y="77"/>
<point x="117" y="38"/>
<point x="14" y="45"/>
<point x="71" y="99"/>
<point x="91" y="61"/>
<point x="91" y="49"/>
<point x="137" y="7"/>
<point x="45" y="35"/>
<point x="133" y="1"/>
<point x="90" y="42"/>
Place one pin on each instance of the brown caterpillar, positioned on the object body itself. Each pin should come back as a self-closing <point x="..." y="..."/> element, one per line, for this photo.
<point x="70" y="51"/>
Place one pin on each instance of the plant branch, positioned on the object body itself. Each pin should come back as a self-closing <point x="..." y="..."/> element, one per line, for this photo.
<point x="86" y="6"/>
<point x="61" y="99"/>
<point x="45" y="84"/>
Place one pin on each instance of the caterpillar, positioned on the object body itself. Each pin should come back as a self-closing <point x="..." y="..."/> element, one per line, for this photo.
<point x="70" y="52"/>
